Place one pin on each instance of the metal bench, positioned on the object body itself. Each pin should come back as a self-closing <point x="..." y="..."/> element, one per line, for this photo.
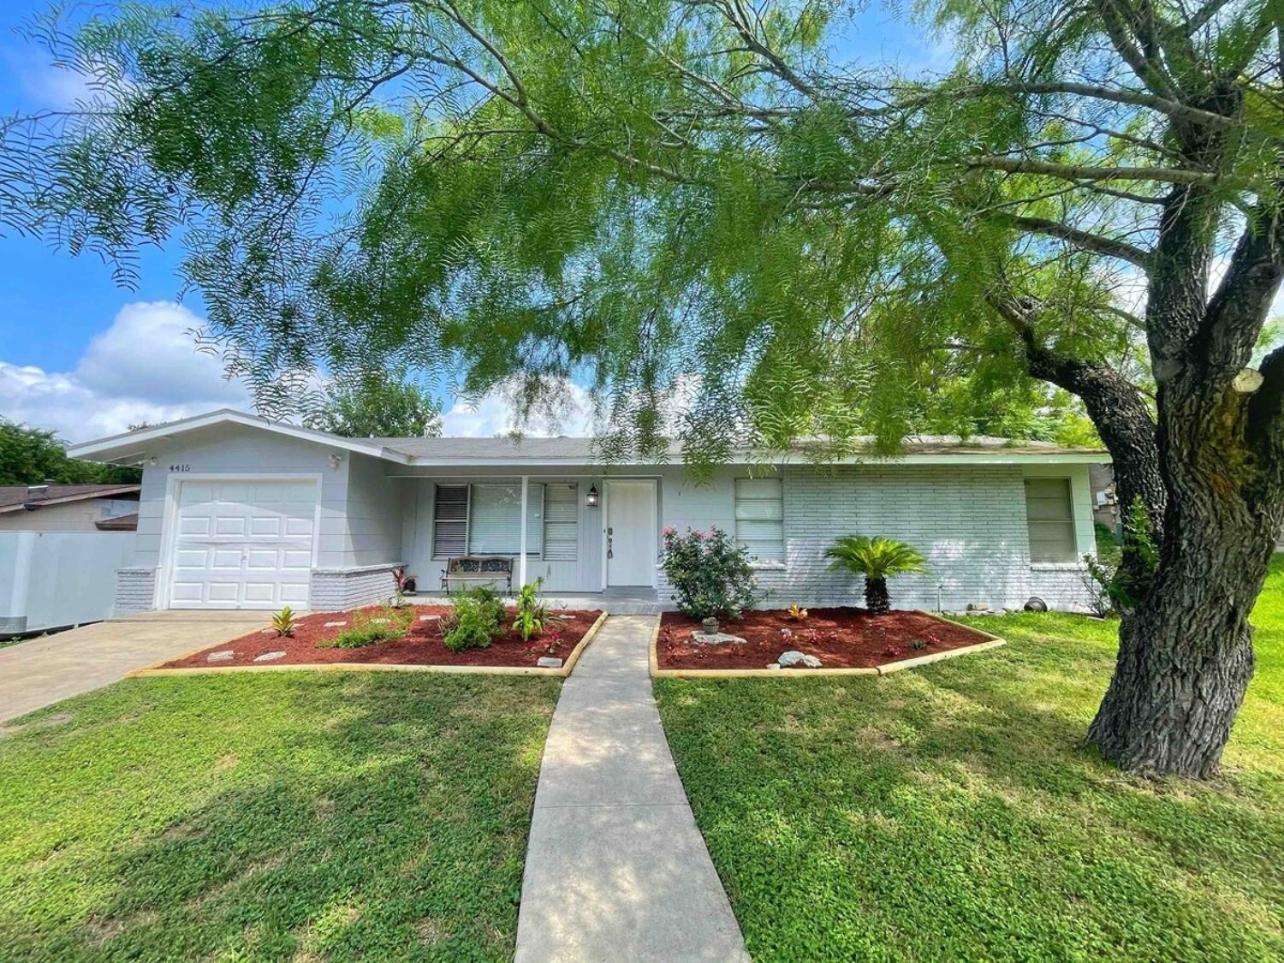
<point x="469" y="570"/>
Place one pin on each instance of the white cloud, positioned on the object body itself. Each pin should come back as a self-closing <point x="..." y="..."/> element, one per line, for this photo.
<point x="496" y="414"/>
<point x="143" y="368"/>
<point x="49" y="85"/>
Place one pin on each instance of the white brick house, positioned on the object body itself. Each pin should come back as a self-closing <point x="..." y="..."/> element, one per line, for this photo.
<point x="236" y="512"/>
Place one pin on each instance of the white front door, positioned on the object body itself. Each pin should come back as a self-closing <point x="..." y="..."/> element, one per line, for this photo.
<point x="631" y="532"/>
<point x="242" y="544"/>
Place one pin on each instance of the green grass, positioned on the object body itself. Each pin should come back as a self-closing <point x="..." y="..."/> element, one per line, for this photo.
<point x="276" y="816"/>
<point x="953" y="812"/>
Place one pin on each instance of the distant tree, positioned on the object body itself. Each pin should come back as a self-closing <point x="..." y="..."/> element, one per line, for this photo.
<point x="29" y="456"/>
<point x="379" y="405"/>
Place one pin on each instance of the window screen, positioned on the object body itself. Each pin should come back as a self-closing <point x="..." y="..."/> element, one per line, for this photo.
<point x="1049" y="513"/>
<point x="561" y="521"/>
<point x="450" y="521"/>
<point x="760" y="518"/>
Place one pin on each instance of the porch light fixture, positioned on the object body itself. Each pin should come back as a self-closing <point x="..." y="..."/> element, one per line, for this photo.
<point x="336" y="460"/>
<point x="591" y="498"/>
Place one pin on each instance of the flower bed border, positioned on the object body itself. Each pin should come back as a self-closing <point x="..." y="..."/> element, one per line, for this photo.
<point x="991" y="642"/>
<point x="158" y="669"/>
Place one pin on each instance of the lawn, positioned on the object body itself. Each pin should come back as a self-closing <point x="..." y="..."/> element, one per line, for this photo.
<point x="278" y="816"/>
<point x="952" y="812"/>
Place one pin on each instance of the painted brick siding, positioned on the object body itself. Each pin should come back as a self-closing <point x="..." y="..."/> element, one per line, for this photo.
<point x="968" y="521"/>
<point x="135" y="590"/>
<point x="337" y="590"/>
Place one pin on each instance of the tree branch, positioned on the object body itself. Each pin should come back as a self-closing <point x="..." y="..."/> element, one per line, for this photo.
<point x="1084" y="240"/>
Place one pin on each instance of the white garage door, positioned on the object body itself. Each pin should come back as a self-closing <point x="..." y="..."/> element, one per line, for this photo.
<point x="243" y="545"/>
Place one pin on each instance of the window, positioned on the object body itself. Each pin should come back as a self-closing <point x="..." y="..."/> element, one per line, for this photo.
<point x="1049" y="513"/>
<point x="561" y="520"/>
<point x="450" y="521"/>
<point x="760" y="518"/>
<point x="495" y="520"/>
<point x="485" y="519"/>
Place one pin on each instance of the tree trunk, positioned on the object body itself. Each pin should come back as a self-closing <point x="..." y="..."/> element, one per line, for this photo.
<point x="877" y="601"/>
<point x="1186" y="651"/>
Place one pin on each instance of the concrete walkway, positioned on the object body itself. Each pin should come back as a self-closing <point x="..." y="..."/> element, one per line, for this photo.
<point x="48" y="669"/>
<point x="616" y="869"/>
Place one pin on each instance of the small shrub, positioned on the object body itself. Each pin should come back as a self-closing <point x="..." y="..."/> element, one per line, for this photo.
<point x="797" y="612"/>
<point x="710" y="574"/>
<point x="474" y="621"/>
<point x="918" y="644"/>
<point x="876" y="559"/>
<point x="383" y="625"/>
<point x="532" y="614"/>
<point x="284" y="622"/>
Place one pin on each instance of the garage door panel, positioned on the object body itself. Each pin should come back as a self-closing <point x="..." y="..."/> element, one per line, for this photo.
<point x="243" y="544"/>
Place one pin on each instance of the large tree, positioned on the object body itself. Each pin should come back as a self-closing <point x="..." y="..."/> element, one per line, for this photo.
<point x="29" y="456"/>
<point x="377" y="404"/>
<point x="701" y="202"/>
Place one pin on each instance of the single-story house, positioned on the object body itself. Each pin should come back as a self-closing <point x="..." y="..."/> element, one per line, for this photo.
<point x="68" y="508"/>
<point x="238" y="512"/>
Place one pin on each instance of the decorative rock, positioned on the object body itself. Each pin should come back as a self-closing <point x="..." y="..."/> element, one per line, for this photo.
<point x="224" y="655"/>
<point x="430" y="618"/>
<point x="978" y="606"/>
<point x="549" y="662"/>
<point x="1036" y="604"/>
<point x="786" y="633"/>
<point x="773" y="665"/>
<point x="794" y="657"/>
<point x="267" y="631"/>
<point x="336" y="625"/>
<point x="269" y="656"/>
<point x="715" y="638"/>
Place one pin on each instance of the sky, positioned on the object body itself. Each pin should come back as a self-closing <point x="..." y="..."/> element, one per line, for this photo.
<point x="85" y="358"/>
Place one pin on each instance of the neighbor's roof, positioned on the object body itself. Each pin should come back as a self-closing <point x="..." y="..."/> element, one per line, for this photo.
<point x="16" y="498"/>
<point x="118" y="523"/>
<point x="533" y="451"/>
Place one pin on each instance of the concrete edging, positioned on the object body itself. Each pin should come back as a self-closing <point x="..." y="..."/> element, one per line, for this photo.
<point x="991" y="642"/>
<point x="527" y="670"/>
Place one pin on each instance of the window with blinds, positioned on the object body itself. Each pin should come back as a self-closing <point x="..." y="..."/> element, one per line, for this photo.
<point x="760" y="518"/>
<point x="495" y="519"/>
<point x="450" y="521"/>
<point x="1049" y="514"/>
<point x="561" y="521"/>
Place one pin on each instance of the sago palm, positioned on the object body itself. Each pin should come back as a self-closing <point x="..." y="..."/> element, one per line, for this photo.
<point x="875" y="558"/>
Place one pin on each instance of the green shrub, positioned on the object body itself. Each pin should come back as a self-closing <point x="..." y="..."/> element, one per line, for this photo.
<point x="876" y="559"/>
<point x="474" y="621"/>
<point x="709" y="572"/>
<point x="383" y="625"/>
<point x="284" y="622"/>
<point x="532" y="614"/>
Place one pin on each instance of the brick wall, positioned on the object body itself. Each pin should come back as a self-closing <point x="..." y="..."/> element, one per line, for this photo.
<point x="135" y="590"/>
<point x="968" y="521"/>
<point x="335" y="590"/>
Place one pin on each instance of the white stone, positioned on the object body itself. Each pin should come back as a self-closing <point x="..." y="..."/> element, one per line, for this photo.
<point x="773" y="665"/>
<point x="549" y="662"/>
<point x="430" y="618"/>
<point x="335" y="625"/>
<point x="225" y="655"/>
<point x="794" y="657"/>
<point x="715" y="638"/>
<point x="269" y="657"/>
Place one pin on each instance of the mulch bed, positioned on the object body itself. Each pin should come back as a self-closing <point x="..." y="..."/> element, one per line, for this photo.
<point x="422" y="645"/>
<point x="842" y="638"/>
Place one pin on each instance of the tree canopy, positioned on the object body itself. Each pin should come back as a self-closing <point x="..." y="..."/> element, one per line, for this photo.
<point x="29" y="456"/>
<point x="378" y="404"/>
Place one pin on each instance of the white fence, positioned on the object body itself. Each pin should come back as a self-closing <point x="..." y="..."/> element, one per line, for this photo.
<point x="51" y="579"/>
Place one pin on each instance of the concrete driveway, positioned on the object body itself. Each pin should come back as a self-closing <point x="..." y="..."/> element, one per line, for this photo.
<point x="51" y="668"/>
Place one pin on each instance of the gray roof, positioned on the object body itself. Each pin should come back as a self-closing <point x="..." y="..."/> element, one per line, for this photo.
<point x="15" y="497"/>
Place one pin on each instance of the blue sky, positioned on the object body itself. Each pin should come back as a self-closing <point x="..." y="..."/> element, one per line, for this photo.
<point x="84" y="357"/>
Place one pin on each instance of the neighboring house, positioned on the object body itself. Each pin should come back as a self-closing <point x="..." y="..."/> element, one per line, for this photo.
<point x="237" y="512"/>
<point x="68" y="508"/>
<point x="1105" y="506"/>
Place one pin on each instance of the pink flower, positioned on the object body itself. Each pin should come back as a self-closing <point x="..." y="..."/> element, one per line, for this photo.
<point x="670" y="530"/>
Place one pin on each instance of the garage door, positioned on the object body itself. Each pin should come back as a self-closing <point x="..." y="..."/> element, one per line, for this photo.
<point x="243" y="545"/>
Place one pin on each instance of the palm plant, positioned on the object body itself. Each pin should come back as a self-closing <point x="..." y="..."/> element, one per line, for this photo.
<point x="875" y="558"/>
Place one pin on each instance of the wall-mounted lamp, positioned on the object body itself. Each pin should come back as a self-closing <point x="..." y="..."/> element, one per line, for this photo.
<point x="152" y="462"/>
<point x="336" y="460"/>
<point x="591" y="498"/>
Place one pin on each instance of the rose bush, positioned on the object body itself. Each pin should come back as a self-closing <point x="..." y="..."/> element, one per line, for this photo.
<point x="710" y="574"/>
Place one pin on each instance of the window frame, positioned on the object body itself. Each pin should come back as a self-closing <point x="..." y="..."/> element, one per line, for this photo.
<point x="436" y="520"/>
<point x="1070" y="521"/>
<point x="777" y="499"/>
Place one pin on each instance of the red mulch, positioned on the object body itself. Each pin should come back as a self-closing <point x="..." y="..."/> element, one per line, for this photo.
<point x="843" y="638"/>
<point x="422" y="645"/>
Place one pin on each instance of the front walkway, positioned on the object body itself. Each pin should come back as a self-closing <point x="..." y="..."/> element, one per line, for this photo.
<point x="616" y="868"/>
<point x="48" y="669"/>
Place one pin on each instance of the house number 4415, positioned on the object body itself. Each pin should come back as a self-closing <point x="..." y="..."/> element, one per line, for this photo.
<point x="180" y="467"/>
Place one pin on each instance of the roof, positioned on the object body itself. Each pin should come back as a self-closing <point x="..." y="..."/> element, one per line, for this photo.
<point x="537" y="451"/>
<point x="16" y="498"/>
<point x="118" y="523"/>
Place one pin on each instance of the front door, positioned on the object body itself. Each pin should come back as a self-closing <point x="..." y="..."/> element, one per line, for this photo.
<point x="630" y="532"/>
